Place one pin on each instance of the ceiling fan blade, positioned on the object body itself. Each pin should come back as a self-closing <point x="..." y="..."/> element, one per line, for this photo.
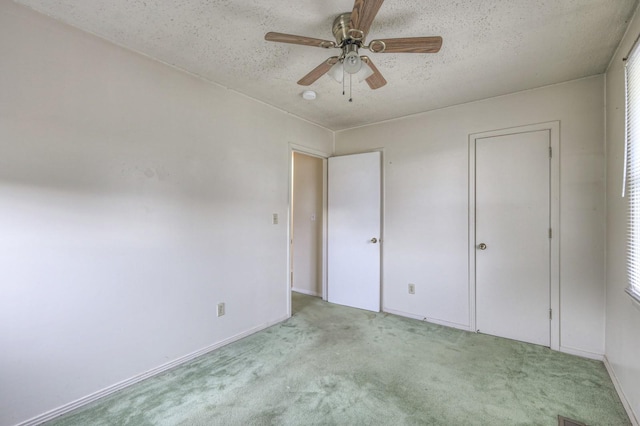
<point x="406" y="45"/>
<point x="318" y="71"/>
<point x="295" y="39"/>
<point x="362" y="16"/>
<point x="376" y="80"/>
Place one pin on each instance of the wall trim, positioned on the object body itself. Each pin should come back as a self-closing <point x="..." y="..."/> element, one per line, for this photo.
<point x="426" y="319"/>
<point x="582" y="353"/>
<point x="67" y="408"/>
<point x="618" y="387"/>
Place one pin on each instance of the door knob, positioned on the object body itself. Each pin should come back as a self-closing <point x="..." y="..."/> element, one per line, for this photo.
<point x="374" y="240"/>
<point x="482" y="246"/>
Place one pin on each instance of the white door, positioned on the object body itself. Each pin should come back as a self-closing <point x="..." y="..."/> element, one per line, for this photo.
<point x="512" y="253"/>
<point x="354" y="230"/>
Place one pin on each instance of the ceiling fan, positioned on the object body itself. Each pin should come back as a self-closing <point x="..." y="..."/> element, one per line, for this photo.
<point x="350" y="31"/>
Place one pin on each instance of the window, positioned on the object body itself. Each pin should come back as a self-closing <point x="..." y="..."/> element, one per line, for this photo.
<point x="632" y="170"/>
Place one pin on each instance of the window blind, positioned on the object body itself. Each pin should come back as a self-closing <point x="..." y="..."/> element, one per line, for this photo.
<point x="632" y="170"/>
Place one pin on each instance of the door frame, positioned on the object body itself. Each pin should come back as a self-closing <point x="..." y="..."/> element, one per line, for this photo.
<point x="554" y="190"/>
<point x="301" y="149"/>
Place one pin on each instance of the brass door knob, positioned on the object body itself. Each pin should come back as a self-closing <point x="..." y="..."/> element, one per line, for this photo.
<point x="374" y="240"/>
<point x="482" y="246"/>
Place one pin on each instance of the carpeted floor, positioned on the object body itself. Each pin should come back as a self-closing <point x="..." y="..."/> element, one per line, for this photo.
<point x="332" y="365"/>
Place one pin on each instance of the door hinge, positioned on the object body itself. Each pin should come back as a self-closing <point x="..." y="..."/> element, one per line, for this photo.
<point x="550" y="152"/>
<point x="550" y="233"/>
<point x="550" y="313"/>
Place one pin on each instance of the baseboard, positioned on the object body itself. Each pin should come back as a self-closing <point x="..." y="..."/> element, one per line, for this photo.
<point x="423" y="318"/>
<point x="64" y="409"/>
<point x="623" y="397"/>
<point x="304" y="291"/>
<point x="581" y="353"/>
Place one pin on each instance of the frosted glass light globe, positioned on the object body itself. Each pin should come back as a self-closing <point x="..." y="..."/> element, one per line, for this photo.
<point x="352" y="62"/>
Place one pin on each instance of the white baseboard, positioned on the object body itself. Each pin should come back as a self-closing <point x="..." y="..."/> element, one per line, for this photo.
<point x="623" y="397"/>
<point x="565" y="349"/>
<point x="581" y="353"/>
<point x="305" y="291"/>
<point x="423" y="318"/>
<point x="56" y="412"/>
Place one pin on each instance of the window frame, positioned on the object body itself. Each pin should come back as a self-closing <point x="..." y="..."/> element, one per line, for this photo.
<point x="631" y="185"/>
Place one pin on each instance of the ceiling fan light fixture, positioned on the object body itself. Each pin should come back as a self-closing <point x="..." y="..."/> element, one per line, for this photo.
<point x="336" y="72"/>
<point x="352" y="62"/>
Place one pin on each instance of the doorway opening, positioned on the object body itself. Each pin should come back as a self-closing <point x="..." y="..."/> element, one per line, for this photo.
<point x="307" y="225"/>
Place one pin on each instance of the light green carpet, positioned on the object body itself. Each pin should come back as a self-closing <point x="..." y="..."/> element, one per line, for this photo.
<point x="330" y="364"/>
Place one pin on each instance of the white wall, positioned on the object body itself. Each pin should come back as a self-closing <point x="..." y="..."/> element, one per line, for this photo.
<point x="133" y="198"/>
<point x="623" y="317"/>
<point x="307" y="224"/>
<point x="426" y="203"/>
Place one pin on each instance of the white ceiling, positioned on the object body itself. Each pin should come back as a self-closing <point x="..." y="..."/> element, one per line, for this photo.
<point x="490" y="48"/>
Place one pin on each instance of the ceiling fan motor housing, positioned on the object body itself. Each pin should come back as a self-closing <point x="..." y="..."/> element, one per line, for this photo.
<point x="343" y="32"/>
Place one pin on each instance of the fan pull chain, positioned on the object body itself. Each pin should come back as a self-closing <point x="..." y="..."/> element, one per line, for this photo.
<point x="343" y="82"/>
<point x="350" y="85"/>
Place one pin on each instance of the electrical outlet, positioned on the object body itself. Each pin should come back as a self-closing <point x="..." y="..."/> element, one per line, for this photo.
<point x="274" y="219"/>
<point x="220" y="309"/>
<point x="412" y="289"/>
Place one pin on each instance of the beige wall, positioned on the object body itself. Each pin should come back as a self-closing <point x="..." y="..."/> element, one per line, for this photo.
<point x="426" y="204"/>
<point x="133" y="199"/>
<point x="307" y="216"/>
<point x="623" y="316"/>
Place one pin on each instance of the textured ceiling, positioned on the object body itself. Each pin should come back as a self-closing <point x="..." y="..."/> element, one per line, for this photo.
<point x="490" y="48"/>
